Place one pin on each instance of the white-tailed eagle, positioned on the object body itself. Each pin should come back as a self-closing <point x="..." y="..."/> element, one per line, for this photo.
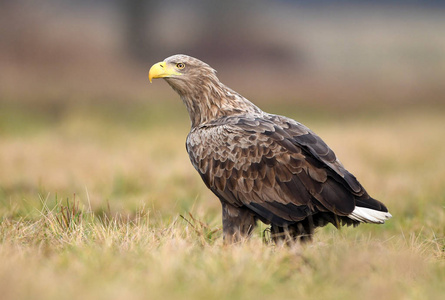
<point x="263" y="166"/>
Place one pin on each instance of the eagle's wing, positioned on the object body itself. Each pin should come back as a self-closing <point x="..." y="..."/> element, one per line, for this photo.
<point x="273" y="165"/>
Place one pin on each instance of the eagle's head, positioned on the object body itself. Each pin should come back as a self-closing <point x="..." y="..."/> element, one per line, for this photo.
<point x="183" y="72"/>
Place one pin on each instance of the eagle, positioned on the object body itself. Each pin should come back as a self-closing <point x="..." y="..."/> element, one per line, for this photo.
<point x="263" y="166"/>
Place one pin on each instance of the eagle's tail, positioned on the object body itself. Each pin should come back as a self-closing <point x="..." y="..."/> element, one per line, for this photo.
<point x="370" y="211"/>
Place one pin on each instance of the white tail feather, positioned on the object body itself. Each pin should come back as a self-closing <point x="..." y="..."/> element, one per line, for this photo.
<point x="367" y="215"/>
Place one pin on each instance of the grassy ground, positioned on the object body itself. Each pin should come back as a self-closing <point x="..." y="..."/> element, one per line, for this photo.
<point x="101" y="202"/>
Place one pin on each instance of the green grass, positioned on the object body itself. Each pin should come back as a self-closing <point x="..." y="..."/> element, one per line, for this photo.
<point x="103" y="203"/>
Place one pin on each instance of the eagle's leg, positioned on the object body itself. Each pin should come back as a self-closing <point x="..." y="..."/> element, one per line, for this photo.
<point x="238" y="223"/>
<point x="301" y="231"/>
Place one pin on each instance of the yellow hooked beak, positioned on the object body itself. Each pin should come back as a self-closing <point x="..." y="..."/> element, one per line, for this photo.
<point x="161" y="70"/>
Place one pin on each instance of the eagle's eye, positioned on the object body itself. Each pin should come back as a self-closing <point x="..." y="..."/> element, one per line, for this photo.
<point x="180" y="66"/>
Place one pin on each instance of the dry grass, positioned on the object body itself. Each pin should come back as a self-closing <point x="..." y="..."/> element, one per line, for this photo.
<point x="91" y="205"/>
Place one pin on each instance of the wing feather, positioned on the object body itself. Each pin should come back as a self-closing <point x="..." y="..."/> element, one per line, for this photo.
<point x="273" y="165"/>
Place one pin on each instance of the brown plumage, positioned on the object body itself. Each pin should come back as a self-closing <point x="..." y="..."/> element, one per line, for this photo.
<point x="263" y="166"/>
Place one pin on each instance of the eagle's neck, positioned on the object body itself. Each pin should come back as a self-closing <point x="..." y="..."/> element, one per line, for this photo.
<point x="209" y="100"/>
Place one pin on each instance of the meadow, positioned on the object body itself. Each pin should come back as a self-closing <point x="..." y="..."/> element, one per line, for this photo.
<point x="100" y="201"/>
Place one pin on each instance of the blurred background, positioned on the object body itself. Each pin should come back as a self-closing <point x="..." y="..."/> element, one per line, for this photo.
<point x="332" y="52"/>
<point x="74" y="86"/>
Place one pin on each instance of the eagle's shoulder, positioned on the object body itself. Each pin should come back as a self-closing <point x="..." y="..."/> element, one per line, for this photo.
<point x="228" y="138"/>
